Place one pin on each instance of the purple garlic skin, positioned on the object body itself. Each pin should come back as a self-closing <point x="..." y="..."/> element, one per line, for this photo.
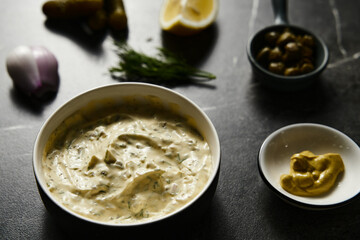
<point x="34" y="70"/>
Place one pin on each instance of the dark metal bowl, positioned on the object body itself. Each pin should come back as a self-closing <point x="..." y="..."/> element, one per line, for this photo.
<point x="280" y="82"/>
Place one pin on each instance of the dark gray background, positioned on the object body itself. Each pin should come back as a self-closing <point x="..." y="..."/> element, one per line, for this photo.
<point x="242" y="111"/>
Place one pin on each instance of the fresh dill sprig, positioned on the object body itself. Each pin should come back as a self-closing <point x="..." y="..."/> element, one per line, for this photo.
<point x="165" y="67"/>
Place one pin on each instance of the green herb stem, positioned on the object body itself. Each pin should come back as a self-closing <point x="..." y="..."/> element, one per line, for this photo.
<point x="165" y="67"/>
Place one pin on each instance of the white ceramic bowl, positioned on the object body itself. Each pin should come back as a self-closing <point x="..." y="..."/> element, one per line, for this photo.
<point x="117" y="92"/>
<point x="274" y="160"/>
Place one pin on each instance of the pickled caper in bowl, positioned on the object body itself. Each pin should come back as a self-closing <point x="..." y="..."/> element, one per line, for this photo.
<point x="295" y="52"/>
<point x="286" y="57"/>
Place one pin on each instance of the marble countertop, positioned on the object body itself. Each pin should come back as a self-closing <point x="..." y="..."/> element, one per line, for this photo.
<point x="243" y="112"/>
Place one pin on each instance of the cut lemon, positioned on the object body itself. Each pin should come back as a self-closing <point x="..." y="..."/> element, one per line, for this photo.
<point x="187" y="17"/>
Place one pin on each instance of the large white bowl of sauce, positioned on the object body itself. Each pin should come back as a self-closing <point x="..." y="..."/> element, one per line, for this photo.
<point x="281" y="145"/>
<point x="127" y="154"/>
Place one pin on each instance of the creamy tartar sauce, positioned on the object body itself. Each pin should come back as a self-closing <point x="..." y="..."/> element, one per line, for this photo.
<point x="132" y="164"/>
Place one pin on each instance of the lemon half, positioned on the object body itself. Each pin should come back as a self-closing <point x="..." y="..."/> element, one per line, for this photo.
<point x="187" y="17"/>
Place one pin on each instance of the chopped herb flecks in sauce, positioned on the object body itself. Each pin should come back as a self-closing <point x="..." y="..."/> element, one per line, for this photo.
<point x="127" y="165"/>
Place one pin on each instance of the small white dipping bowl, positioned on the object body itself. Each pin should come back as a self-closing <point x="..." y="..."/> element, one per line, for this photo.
<point x="278" y="147"/>
<point x="117" y="92"/>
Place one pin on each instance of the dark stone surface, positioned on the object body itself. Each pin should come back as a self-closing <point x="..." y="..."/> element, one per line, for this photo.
<point x="243" y="112"/>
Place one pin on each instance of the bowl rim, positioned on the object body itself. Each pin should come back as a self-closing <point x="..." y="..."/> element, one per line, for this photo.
<point x="287" y="199"/>
<point x="36" y="164"/>
<point x="287" y="79"/>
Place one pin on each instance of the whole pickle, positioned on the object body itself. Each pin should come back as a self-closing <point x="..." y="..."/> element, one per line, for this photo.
<point x="98" y="20"/>
<point x="71" y="8"/>
<point x="117" y="14"/>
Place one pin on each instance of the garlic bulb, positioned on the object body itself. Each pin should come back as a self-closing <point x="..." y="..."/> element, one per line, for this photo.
<point x="34" y="70"/>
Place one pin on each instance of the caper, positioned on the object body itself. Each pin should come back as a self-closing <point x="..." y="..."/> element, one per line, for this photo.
<point x="293" y="52"/>
<point x="284" y="38"/>
<point x="292" y="47"/>
<point x="286" y="53"/>
<point x="276" y="67"/>
<point x="275" y="54"/>
<point x="305" y="60"/>
<point x="292" y="71"/>
<point x="307" y="52"/>
<point x="263" y="54"/>
<point x="307" y="67"/>
<point x="271" y="38"/>
<point x="308" y="40"/>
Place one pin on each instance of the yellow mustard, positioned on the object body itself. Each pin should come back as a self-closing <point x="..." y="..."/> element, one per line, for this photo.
<point x="312" y="175"/>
